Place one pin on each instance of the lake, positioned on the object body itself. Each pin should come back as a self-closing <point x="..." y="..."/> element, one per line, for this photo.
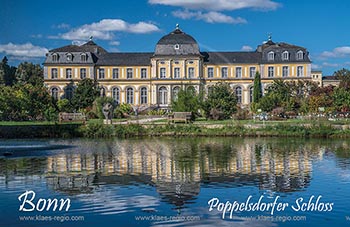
<point x="175" y="182"/>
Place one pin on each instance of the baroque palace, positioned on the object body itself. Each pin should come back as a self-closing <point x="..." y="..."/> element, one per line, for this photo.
<point x="154" y="79"/>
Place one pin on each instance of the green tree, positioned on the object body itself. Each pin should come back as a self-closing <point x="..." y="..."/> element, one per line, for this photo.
<point x="344" y="76"/>
<point x="187" y="101"/>
<point x="85" y="94"/>
<point x="341" y="99"/>
<point x="30" y="73"/>
<point x="257" y="91"/>
<point x="7" y="73"/>
<point x="221" y="99"/>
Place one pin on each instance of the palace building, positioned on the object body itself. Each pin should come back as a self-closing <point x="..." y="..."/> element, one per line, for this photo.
<point x="155" y="78"/>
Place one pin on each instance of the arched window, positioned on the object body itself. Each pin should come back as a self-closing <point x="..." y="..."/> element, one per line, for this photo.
<point x="55" y="57"/>
<point x="83" y="57"/>
<point x="175" y="93"/>
<point x="300" y="55"/>
<point x="143" y="95"/>
<point x="191" y="89"/>
<point x="102" y="92"/>
<point x="69" y="92"/>
<point x="238" y="91"/>
<point x="116" y="94"/>
<point x="285" y="56"/>
<point x="271" y="56"/>
<point x="251" y="93"/>
<point x="130" y="95"/>
<point x="69" y="57"/>
<point x="163" y="95"/>
<point x="54" y="93"/>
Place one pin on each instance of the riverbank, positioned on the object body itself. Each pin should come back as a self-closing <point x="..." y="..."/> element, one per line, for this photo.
<point x="96" y="129"/>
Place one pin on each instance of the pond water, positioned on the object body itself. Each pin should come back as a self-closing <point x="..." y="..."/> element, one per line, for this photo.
<point x="175" y="182"/>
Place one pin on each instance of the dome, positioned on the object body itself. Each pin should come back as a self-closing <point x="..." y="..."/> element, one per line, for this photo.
<point x="177" y="43"/>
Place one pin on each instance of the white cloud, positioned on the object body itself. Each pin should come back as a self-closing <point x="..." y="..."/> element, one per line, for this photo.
<point x="219" y="5"/>
<point x="114" y="43"/>
<point x="210" y="17"/>
<point x="316" y="67"/>
<point x="338" y="52"/>
<point x="23" y="51"/>
<point x="37" y="36"/>
<point x="246" y="48"/>
<point x="63" y="26"/>
<point x="105" y="29"/>
<point x="327" y="64"/>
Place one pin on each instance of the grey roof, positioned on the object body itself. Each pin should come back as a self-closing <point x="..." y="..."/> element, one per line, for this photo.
<point x="87" y="47"/>
<point x="177" y="43"/>
<point x="231" y="57"/>
<point x="125" y="59"/>
<point x="278" y="49"/>
<point x="75" y="58"/>
<point x="329" y="78"/>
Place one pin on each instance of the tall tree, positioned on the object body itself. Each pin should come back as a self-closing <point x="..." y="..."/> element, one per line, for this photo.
<point x="7" y="73"/>
<point x="187" y="101"/>
<point x="344" y="76"/>
<point x="30" y="73"/>
<point x="221" y="100"/>
<point x="84" y="94"/>
<point x="257" y="90"/>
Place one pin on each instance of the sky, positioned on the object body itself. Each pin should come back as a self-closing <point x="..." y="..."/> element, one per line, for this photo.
<point x="29" y="29"/>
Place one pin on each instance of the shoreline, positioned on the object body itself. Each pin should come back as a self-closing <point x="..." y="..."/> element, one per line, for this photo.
<point x="99" y="130"/>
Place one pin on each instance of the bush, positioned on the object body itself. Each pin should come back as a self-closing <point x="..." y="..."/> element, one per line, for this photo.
<point x="64" y="105"/>
<point x="123" y="110"/>
<point x="99" y="103"/>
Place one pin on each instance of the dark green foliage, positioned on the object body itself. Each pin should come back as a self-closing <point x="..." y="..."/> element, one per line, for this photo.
<point x="187" y="101"/>
<point x="84" y="94"/>
<point x="220" y="99"/>
<point x="257" y="90"/>
<point x="30" y="73"/>
<point x="99" y="103"/>
<point x="7" y="73"/>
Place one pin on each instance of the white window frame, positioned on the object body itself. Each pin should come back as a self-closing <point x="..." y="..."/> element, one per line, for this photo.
<point x="190" y="72"/>
<point x="115" y="73"/>
<point x="300" y="71"/>
<point x="143" y="73"/>
<point x="271" y="71"/>
<point x="69" y="73"/>
<point x="129" y="73"/>
<point x="285" y="56"/>
<point x="271" y="56"/>
<point x="101" y="74"/>
<point x="82" y="73"/>
<point x="162" y="73"/>
<point x="252" y="71"/>
<point x="177" y="73"/>
<point x="210" y="72"/>
<point x="238" y="72"/>
<point x="54" y="73"/>
<point x="224" y="72"/>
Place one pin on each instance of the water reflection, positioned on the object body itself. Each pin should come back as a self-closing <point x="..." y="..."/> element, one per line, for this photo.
<point x="177" y="169"/>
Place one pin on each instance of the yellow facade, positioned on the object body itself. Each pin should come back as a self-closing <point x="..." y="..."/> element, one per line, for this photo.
<point x="155" y="78"/>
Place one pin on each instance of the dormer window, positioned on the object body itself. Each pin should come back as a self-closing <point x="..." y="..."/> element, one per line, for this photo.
<point x="300" y="55"/>
<point x="83" y="57"/>
<point x="55" y="57"/>
<point x="176" y="46"/>
<point x="285" y="56"/>
<point x="271" y="56"/>
<point x="69" y="57"/>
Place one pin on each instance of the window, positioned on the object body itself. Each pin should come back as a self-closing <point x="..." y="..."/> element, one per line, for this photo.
<point x="102" y="92"/>
<point x="83" y="57"/>
<point x="68" y="93"/>
<point x="129" y="73"/>
<point x="54" y="93"/>
<point x="210" y="72"/>
<point x="176" y="46"/>
<point x="68" y="73"/>
<point x="143" y="95"/>
<point x="300" y="55"/>
<point x="252" y="72"/>
<point x="300" y="71"/>
<point x="175" y="92"/>
<point x="82" y="73"/>
<point x="271" y="56"/>
<point x="285" y="56"/>
<point x="285" y="71"/>
<point x="238" y="91"/>
<point x="162" y="73"/>
<point x="143" y="73"/>
<point x="116" y="95"/>
<point x="271" y="71"/>
<point x="224" y="72"/>
<point x="176" y="73"/>
<point x="163" y="96"/>
<point x="251" y="93"/>
<point x="55" y="57"/>
<point x="115" y="73"/>
<point x="54" y="73"/>
<point x="69" y="57"/>
<point x="238" y="72"/>
<point x="130" y="95"/>
<point x="191" y="72"/>
<point x="101" y="74"/>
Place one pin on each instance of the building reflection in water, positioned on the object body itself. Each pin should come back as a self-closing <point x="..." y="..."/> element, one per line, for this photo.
<point x="179" y="168"/>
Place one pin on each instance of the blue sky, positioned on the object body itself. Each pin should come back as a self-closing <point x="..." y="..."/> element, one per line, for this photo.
<point x="30" y="28"/>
